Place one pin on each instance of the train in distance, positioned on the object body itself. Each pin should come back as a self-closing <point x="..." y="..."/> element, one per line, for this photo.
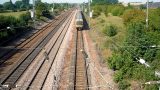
<point x="79" y="20"/>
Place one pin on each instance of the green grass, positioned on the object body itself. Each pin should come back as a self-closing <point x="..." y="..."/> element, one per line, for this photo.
<point x="104" y="42"/>
<point x="15" y="14"/>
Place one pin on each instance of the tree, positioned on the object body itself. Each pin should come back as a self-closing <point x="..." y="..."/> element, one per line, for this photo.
<point x="8" y="6"/>
<point x="24" y="18"/>
<point x="25" y="4"/>
<point x="40" y="7"/>
<point x="117" y="10"/>
<point x="1" y="6"/>
<point x="134" y="16"/>
<point x="18" y="4"/>
<point x="105" y="1"/>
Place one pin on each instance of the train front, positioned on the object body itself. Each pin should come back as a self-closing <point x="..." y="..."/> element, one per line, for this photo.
<point x="79" y="20"/>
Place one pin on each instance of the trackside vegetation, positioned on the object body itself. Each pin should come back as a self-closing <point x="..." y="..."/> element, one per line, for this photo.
<point x="139" y="42"/>
<point x="110" y="30"/>
<point x="15" y="18"/>
<point x="11" y="26"/>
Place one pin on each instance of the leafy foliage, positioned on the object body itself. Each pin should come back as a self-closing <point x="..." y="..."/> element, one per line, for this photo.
<point x="97" y="11"/>
<point x="134" y="16"/>
<point x="10" y="21"/>
<point x="25" y="4"/>
<point x="154" y="19"/>
<point x="41" y="8"/>
<point x="1" y="8"/>
<point x="105" y="1"/>
<point x="8" y="6"/>
<point x="110" y="30"/>
<point x="19" y="4"/>
<point x="24" y="18"/>
<point x="118" y="10"/>
<point x="137" y="45"/>
<point x="17" y="26"/>
<point x="123" y="85"/>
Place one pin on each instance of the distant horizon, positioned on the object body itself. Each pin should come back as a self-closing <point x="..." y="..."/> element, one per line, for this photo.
<point x="78" y="1"/>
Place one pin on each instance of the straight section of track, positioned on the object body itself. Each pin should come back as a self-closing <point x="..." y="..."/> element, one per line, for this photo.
<point x="18" y="70"/>
<point x="41" y="75"/>
<point x="81" y="80"/>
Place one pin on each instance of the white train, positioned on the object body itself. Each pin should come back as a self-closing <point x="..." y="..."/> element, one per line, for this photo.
<point x="79" y="20"/>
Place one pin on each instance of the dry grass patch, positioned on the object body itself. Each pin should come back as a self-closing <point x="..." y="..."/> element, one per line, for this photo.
<point x="105" y="43"/>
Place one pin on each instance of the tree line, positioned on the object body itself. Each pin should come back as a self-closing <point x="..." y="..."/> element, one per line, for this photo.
<point x="18" y="5"/>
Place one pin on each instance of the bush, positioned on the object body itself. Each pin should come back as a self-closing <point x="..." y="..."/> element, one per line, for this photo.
<point x="42" y="10"/>
<point x="134" y="16"/>
<point x="124" y="85"/>
<point x="154" y="19"/>
<point x="47" y="14"/>
<point x="102" y="21"/>
<point x="8" y="21"/>
<point x="97" y="11"/>
<point x="118" y="76"/>
<point x="24" y="18"/>
<point x="116" y="62"/>
<point x="110" y="30"/>
<point x="40" y="7"/>
<point x="137" y="43"/>
<point x="118" y="10"/>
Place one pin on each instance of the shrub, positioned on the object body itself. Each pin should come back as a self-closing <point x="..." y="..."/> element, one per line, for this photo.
<point x="24" y="18"/>
<point x="8" y="21"/>
<point x="110" y="30"/>
<point x="125" y="62"/>
<point x="154" y="19"/>
<point x="97" y="11"/>
<point x="102" y="21"/>
<point x="116" y="62"/>
<point x="40" y="7"/>
<point x="47" y="14"/>
<point x="118" y="10"/>
<point x="134" y="16"/>
<point x="118" y="76"/>
<point x="124" y="85"/>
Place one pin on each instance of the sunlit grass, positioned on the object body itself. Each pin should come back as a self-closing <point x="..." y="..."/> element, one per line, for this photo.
<point x="104" y="42"/>
<point x="15" y="14"/>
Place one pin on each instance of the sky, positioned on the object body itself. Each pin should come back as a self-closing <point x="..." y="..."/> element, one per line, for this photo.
<point x="79" y="1"/>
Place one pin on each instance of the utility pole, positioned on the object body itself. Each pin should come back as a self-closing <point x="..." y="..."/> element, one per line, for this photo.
<point x="34" y="12"/>
<point x="53" y="8"/>
<point x="147" y="24"/>
<point x="89" y="11"/>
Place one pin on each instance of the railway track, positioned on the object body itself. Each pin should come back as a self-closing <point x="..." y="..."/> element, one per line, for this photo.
<point x="26" y="60"/>
<point x="25" y="44"/>
<point x="81" y="78"/>
<point x="45" y="68"/>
